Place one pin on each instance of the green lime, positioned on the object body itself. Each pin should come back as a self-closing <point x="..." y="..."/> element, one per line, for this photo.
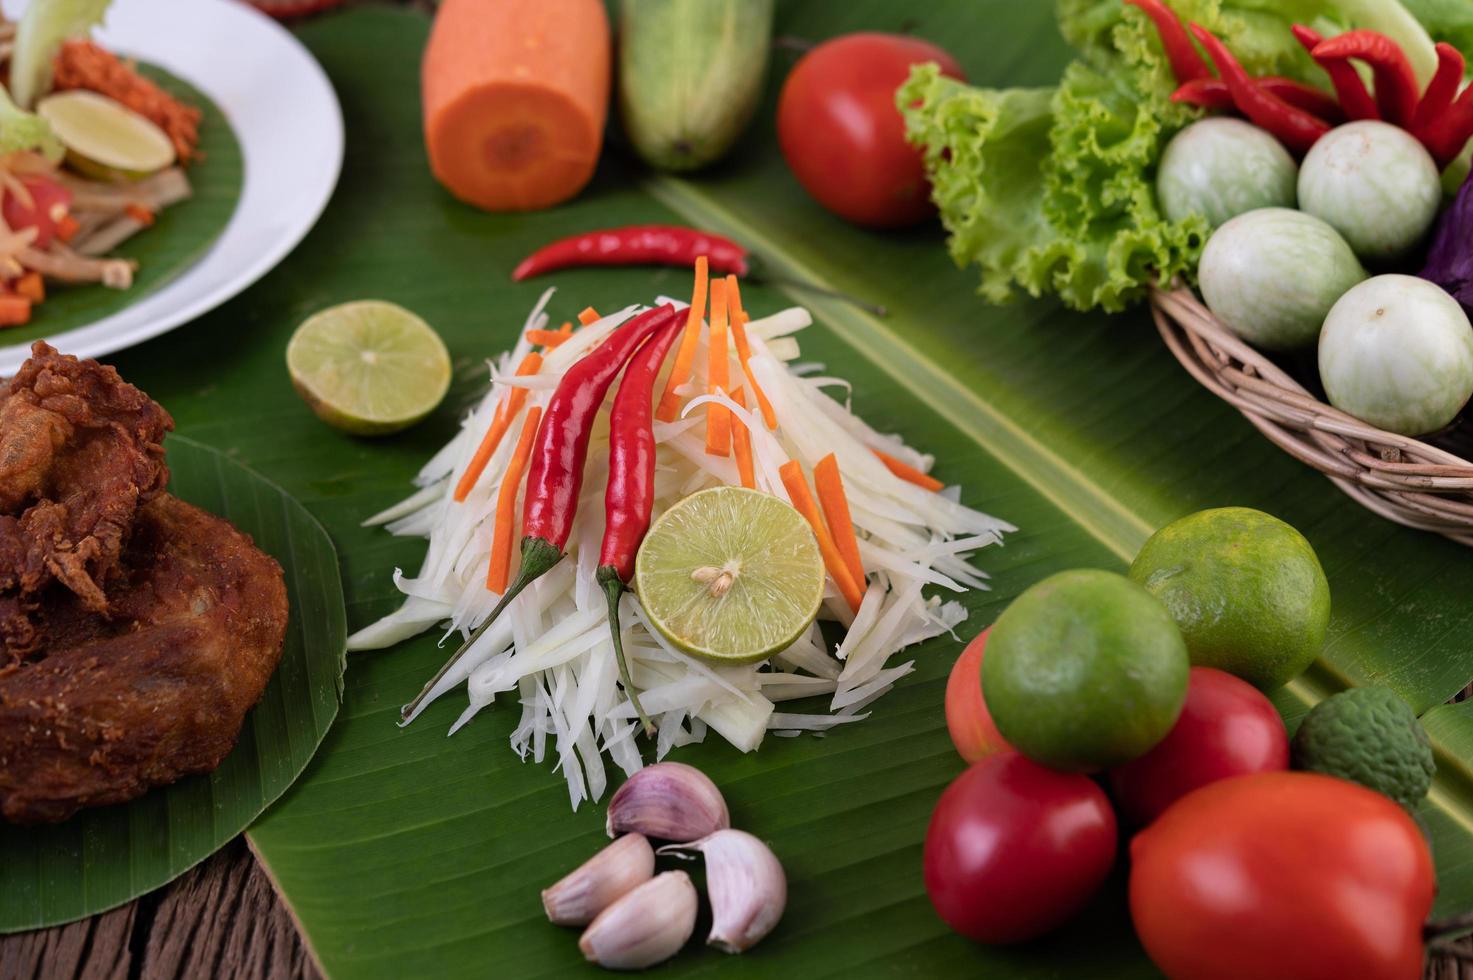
<point x="369" y="368"/>
<point x="730" y="575"/>
<point x="1085" y="670"/>
<point x="1370" y="736"/>
<point x="1245" y="588"/>
<point x="104" y="138"/>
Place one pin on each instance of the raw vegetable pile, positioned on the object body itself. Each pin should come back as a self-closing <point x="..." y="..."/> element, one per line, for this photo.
<point x="885" y="530"/>
<point x="91" y="166"/>
<point x="1087" y="225"/>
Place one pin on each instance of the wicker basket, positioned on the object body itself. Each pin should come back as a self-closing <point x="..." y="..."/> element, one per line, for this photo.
<point x="1401" y="479"/>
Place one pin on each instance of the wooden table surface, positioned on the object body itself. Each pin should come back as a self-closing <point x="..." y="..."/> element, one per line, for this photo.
<point x="223" y="918"/>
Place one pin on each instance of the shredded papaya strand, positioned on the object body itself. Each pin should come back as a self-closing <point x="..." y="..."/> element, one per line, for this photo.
<point x="685" y="354"/>
<point x="506" y="505"/>
<point x="741" y="445"/>
<point x="500" y="422"/>
<point x="546" y="338"/>
<point x="792" y="477"/>
<point x="718" y="376"/>
<point x="739" y="321"/>
<point x="588" y="315"/>
<point x="831" y="497"/>
<point x="908" y="473"/>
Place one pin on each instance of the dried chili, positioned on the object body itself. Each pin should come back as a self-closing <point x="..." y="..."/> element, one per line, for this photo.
<point x="1186" y="61"/>
<point x="635" y="245"/>
<point x="1396" y="84"/>
<point x="555" y="475"/>
<point x="1350" y="90"/>
<point x="629" y="498"/>
<point x="1296" y="129"/>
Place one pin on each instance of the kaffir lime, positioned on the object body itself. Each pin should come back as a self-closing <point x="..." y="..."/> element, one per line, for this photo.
<point x="1370" y="736"/>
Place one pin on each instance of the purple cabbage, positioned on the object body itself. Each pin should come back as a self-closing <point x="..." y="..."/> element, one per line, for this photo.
<point x="1450" y="260"/>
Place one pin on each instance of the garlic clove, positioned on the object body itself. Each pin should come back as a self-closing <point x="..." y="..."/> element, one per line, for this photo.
<point x="670" y="801"/>
<point x="746" y="885"/>
<point x="646" y="926"/>
<point x="611" y="873"/>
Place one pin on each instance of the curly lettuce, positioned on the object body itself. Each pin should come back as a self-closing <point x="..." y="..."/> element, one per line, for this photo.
<point x="21" y="130"/>
<point x="1052" y="191"/>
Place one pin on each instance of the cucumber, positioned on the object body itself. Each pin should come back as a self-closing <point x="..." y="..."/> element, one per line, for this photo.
<point x="690" y="76"/>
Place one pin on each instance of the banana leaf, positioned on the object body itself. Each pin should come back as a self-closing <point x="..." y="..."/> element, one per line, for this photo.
<point x="404" y="853"/>
<point x="106" y="856"/>
<point x="178" y="237"/>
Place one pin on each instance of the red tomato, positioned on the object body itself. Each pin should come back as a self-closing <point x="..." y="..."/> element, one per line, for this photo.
<point x="1014" y="849"/>
<point x="844" y="138"/>
<point x="1282" y="876"/>
<point x="1227" y="728"/>
<point x="49" y="204"/>
<point x="967" y="718"/>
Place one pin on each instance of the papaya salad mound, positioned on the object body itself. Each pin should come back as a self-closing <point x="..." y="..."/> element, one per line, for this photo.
<point x="136" y="630"/>
<point x="91" y="152"/>
<point x="742" y="504"/>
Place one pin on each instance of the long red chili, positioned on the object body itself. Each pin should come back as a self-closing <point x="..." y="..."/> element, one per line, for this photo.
<point x="1186" y="60"/>
<point x="1350" y="89"/>
<point x="636" y="245"/>
<point x="1213" y="93"/>
<point x="555" y="470"/>
<point x="1454" y="130"/>
<point x="629" y="498"/>
<point x="1295" y="128"/>
<point x="1396" y="83"/>
<point x="1434" y="122"/>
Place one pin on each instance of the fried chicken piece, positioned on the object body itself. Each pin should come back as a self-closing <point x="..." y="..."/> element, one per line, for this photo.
<point x="156" y="691"/>
<point x="80" y="451"/>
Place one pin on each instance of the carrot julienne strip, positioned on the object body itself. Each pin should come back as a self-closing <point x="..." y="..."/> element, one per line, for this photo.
<point x="567" y="328"/>
<point x="831" y="497"/>
<point x="908" y="473"/>
<point x="140" y="214"/>
<point x="67" y="228"/>
<point x="506" y="505"/>
<point x="685" y="355"/>
<point x="14" y="311"/>
<point x="546" y="338"/>
<point x="31" y="286"/>
<point x="741" y="445"/>
<point x="718" y="380"/>
<point x="792" y="477"/>
<point x="588" y="315"/>
<point x="500" y="422"/>
<point x="739" y="321"/>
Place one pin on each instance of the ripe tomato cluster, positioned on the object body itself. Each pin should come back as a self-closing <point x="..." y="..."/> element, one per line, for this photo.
<point x="1238" y="867"/>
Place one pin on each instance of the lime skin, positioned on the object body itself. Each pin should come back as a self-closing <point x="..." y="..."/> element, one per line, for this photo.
<point x="1246" y="589"/>
<point x="1084" y="671"/>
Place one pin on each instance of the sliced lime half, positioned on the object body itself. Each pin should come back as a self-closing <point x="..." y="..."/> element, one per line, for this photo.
<point x="369" y="367"/>
<point x="103" y="137"/>
<point x="730" y="575"/>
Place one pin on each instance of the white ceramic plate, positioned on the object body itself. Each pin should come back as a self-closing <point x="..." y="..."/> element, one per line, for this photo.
<point x="290" y="127"/>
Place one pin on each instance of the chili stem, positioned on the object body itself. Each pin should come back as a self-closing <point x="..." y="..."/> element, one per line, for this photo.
<point x="613" y="586"/>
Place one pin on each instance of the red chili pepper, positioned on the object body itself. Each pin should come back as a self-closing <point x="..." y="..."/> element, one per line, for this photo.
<point x="1355" y="100"/>
<point x="1431" y="124"/>
<point x="636" y="245"/>
<point x="1452" y="132"/>
<point x="555" y="471"/>
<point x="1213" y="93"/>
<point x="1186" y="61"/>
<point x="1396" y="84"/>
<point x="629" y="497"/>
<point x="1292" y="126"/>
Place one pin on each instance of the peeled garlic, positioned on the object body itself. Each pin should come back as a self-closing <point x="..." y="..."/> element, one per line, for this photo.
<point x="746" y="884"/>
<point x="644" y="927"/>
<point x="614" y="871"/>
<point x="670" y="801"/>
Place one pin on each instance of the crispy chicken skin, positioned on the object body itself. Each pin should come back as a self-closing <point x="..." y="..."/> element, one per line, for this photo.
<point x="154" y="691"/>
<point x="80" y="451"/>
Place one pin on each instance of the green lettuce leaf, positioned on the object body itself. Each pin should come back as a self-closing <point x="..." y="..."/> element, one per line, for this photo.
<point x="1446" y="20"/>
<point x="21" y="130"/>
<point x="42" y="29"/>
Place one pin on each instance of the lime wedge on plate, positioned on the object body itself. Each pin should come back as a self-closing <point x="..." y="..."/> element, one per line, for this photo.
<point x="104" y="138"/>
<point x="369" y="368"/>
<point x="730" y="575"/>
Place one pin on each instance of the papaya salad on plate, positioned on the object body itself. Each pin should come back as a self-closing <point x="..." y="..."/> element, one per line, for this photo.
<point x="91" y="151"/>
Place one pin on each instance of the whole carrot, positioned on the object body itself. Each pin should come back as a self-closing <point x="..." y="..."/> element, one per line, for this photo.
<point x="555" y="473"/>
<point x="629" y="498"/>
